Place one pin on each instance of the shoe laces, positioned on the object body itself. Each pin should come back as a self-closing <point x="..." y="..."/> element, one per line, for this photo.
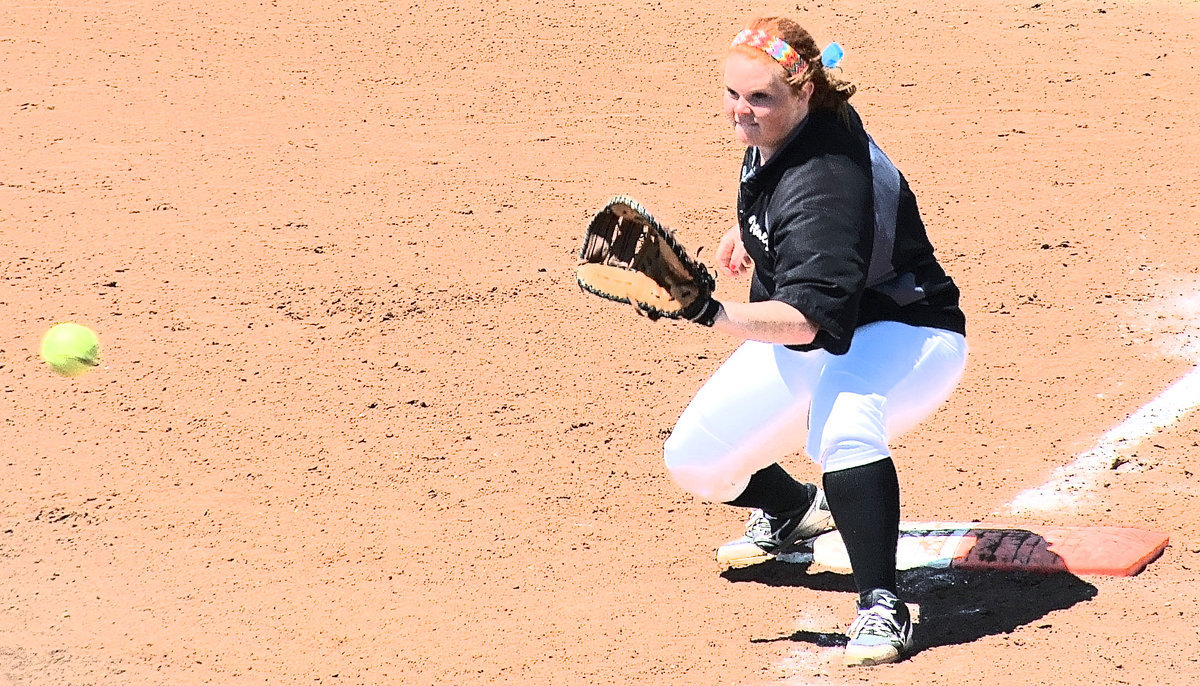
<point x="877" y="620"/>
<point x="761" y="525"/>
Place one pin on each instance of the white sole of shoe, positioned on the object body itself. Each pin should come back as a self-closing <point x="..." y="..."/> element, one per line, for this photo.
<point x="869" y="656"/>
<point x="736" y="556"/>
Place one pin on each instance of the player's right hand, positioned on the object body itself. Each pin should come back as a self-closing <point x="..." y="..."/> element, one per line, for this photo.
<point x="732" y="258"/>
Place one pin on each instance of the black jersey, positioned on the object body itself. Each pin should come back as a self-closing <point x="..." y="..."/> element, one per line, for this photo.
<point x="834" y="231"/>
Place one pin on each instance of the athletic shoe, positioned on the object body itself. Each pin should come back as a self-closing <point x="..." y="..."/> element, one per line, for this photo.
<point x="881" y="633"/>
<point x="768" y="535"/>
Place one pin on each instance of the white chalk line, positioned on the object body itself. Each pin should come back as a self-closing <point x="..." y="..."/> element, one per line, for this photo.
<point x="1071" y="483"/>
<point x="1177" y="311"/>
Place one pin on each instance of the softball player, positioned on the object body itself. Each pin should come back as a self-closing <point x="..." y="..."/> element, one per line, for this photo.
<point x="853" y="330"/>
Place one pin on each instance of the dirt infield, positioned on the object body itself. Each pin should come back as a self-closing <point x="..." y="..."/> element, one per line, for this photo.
<point x="356" y="425"/>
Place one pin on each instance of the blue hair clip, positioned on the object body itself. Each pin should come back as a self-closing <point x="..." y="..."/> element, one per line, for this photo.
<point x="831" y="55"/>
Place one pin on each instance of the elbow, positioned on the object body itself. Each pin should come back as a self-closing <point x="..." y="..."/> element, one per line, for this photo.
<point x="795" y="327"/>
<point x="802" y="333"/>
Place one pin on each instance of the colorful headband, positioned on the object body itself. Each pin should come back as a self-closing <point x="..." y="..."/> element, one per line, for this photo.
<point x="780" y="51"/>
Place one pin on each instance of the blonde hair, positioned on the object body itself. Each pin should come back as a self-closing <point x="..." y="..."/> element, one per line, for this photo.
<point x="830" y="92"/>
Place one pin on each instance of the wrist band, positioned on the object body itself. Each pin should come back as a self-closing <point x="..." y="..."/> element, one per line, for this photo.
<point x="707" y="316"/>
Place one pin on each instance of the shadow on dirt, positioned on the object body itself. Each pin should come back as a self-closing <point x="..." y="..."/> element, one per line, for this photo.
<point x="955" y="606"/>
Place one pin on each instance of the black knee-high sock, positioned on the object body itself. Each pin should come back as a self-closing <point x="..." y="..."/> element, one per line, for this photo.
<point x="865" y="502"/>
<point x="775" y="492"/>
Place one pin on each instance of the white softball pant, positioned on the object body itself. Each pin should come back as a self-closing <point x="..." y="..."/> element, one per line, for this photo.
<point x="768" y="402"/>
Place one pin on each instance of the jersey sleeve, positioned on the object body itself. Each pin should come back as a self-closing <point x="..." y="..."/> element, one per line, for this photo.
<point x="822" y="230"/>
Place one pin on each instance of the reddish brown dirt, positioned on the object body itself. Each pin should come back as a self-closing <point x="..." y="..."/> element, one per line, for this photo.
<point x="356" y="425"/>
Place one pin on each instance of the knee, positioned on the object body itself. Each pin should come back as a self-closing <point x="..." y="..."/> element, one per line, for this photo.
<point x="673" y="449"/>
<point x="851" y="452"/>
<point x="852" y="433"/>
<point x="699" y="472"/>
<point x="844" y="447"/>
<point x="675" y="456"/>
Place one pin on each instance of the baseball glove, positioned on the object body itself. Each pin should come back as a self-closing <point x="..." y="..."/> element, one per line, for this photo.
<point x="628" y="257"/>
